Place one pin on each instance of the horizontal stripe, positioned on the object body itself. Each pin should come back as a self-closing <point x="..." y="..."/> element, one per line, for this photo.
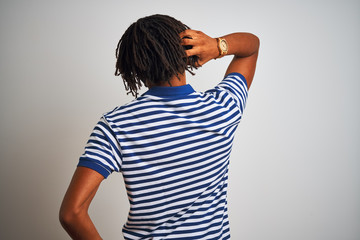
<point x="172" y="146"/>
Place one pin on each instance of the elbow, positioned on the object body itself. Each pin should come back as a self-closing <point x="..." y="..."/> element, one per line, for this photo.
<point x="65" y="218"/>
<point x="256" y="42"/>
<point x="68" y="217"/>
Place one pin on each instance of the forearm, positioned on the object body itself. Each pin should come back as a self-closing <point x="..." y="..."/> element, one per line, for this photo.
<point x="242" y="44"/>
<point x="79" y="226"/>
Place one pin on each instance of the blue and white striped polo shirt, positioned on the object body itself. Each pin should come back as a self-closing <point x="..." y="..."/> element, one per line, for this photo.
<point x="172" y="145"/>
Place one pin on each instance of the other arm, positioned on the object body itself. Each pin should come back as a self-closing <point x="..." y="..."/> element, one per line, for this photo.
<point x="244" y="47"/>
<point x="73" y="213"/>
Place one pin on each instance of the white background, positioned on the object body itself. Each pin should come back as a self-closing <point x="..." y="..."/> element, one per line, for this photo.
<point x="294" y="171"/>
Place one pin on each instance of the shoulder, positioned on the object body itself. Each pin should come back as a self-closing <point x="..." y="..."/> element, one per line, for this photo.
<point x="126" y="108"/>
<point x="234" y="87"/>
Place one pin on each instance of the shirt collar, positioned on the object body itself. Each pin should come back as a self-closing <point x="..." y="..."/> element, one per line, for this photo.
<point x="170" y="91"/>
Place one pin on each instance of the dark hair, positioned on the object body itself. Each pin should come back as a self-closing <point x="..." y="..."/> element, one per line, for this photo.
<point x="150" y="52"/>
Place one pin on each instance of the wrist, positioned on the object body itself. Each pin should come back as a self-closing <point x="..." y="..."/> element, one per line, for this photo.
<point x="214" y="50"/>
<point x="222" y="46"/>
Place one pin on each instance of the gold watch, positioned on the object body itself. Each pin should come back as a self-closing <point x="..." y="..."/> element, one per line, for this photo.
<point x="222" y="46"/>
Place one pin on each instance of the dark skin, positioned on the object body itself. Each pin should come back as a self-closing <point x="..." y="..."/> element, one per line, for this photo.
<point x="244" y="47"/>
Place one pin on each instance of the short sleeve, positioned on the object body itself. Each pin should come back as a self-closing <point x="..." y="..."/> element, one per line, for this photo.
<point x="102" y="151"/>
<point x="235" y="84"/>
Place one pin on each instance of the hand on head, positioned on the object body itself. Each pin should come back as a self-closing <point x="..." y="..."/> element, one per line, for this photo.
<point x="202" y="45"/>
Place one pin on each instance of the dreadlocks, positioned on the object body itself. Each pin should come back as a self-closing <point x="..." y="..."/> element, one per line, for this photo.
<point x="150" y="52"/>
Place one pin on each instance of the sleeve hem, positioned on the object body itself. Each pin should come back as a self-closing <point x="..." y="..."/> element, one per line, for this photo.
<point x="94" y="166"/>
<point x="239" y="75"/>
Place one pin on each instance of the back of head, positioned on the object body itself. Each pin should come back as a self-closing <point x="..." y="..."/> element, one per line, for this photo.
<point x="150" y="52"/>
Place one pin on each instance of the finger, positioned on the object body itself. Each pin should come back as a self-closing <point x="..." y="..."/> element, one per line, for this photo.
<point x="187" y="41"/>
<point x="199" y="64"/>
<point x="191" y="52"/>
<point x="186" y="33"/>
<point x="189" y="34"/>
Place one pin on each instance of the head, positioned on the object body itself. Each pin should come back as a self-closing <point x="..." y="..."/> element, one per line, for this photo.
<point x="150" y="52"/>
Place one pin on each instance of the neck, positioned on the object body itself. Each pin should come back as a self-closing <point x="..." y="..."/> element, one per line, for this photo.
<point x="174" y="81"/>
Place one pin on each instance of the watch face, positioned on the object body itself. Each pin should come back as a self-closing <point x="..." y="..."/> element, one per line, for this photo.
<point x="223" y="45"/>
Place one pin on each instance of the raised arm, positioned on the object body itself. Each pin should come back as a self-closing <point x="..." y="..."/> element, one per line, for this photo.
<point x="244" y="47"/>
